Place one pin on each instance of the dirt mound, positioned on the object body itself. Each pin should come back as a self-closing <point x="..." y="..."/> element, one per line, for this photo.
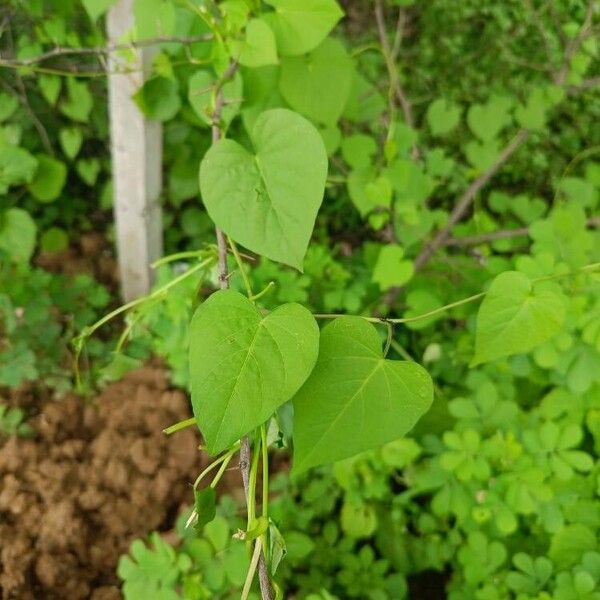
<point x="94" y="478"/>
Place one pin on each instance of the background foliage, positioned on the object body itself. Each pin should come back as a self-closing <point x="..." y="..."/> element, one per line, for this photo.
<point x="495" y="493"/>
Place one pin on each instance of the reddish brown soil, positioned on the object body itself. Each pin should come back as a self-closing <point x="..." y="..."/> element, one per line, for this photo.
<point x="94" y="478"/>
<point x="91" y="253"/>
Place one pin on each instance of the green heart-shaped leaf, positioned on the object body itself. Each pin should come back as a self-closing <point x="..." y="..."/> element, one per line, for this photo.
<point x="515" y="318"/>
<point x="88" y="169"/>
<point x="355" y="399"/>
<point x="442" y="116"/>
<point x="318" y="85"/>
<point x="17" y="234"/>
<point x="486" y="121"/>
<point x="50" y="87"/>
<point x="70" y="139"/>
<point x="259" y="47"/>
<point x="301" y="25"/>
<point x="49" y="178"/>
<point x="96" y="8"/>
<point x="243" y="365"/>
<point x="268" y="200"/>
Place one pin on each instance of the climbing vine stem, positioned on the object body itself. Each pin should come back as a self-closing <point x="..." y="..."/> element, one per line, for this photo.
<point x="468" y="300"/>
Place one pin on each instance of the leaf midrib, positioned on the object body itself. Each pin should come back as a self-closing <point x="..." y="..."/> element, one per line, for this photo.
<point x="237" y="380"/>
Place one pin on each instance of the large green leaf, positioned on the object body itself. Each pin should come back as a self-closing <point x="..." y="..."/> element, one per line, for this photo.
<point x="318" y="85"/>
<point x="268" y="200"/>
<point x="515" y="317"/>
<point x="17" y="234"/>
<point x="355" y="399"/>
<point x="301" y="25"/>
<point x="244" y="365"/>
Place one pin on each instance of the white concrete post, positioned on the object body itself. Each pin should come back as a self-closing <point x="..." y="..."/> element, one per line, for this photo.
<point x="136" y="147"/>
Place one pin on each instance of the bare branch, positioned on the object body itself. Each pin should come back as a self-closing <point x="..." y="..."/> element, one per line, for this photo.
<point x="586" y="84"/>
<point x="465" y="201"/>
<point x="24" y="100"/>
<point x="391" y="54"/>
<point x="575" y="43"/>
<point x="503" y="234"/>
<point x="485" y="238"/>
<point x="100" y="50"/>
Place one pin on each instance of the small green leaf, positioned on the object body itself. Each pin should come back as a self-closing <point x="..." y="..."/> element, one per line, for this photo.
<point x="17" y="166"/>
<point x="243" y="366"/>
<point x="79" y="102"/>
<point x="532" y="114"/>
<point x="256" y="529"/>
<point x="158" y="98"/>
<point x="17" y="234"/>
<point x="70" y="139"/>
<point x="390" y="270"/>
<point x="88" y="169"/>
<point x="442" y="116"/>
<point x="279" y="547"/>
<point x="515" y="318"/>
<point x="355" y="399"/>
<point x="482" y="154"/>
<point x="268" y="200"/>
<point x="49" y="178"/>
<point x="358" y="521"/>
<point x="298" y="545"/>
<point x="205" y="504"/>
<point x="318" y="85"/>
<point x="54" y="240"/>
<point x="96" y="8"/>
<point x="570" y="543"/>
<point x="488" y="120"/>
<point x="301" y="25"/>
<point x="200" y="96"/>
<point x="50" y="87"/>
<point x="8" y="105"/>
<point x="258" y="48"/>
<point x="358" y="150"/>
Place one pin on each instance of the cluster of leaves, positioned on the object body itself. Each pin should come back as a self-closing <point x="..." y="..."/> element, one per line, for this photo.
<point x="201" y="568"/>
<point x="504" y="499"/>
<point x="39" y="314"/>
<point x="53" y="128"/>
<point x="13" y="421"/>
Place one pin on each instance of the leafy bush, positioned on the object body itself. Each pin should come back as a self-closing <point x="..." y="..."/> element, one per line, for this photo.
<point x="463" y="172"/>
<point x="39" y="313"/>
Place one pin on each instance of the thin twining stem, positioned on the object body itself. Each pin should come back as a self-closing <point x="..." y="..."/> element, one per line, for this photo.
<point x="468" y="300"/>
